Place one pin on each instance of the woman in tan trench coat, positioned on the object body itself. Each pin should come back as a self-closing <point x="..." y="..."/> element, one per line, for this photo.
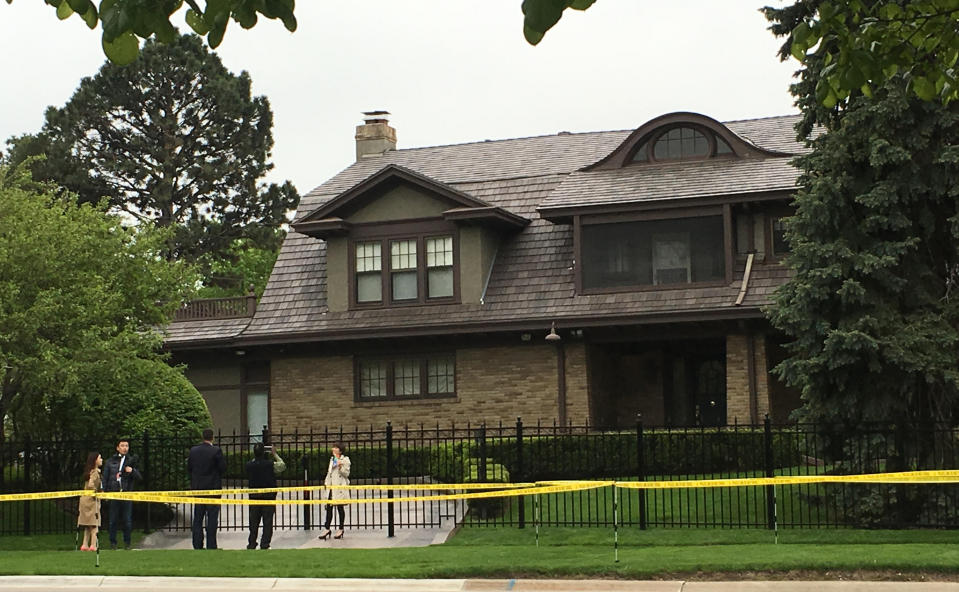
<point x="89" y="517"/>
<point x="338" y="473"/>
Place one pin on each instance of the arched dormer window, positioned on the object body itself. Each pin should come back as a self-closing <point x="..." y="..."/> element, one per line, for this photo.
<point x="681" y="143"/>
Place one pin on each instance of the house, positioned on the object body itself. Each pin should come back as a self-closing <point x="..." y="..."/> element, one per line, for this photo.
<point x="588" y="277"/>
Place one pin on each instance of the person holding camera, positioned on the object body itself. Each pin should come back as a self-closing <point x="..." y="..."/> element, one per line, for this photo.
<point x="261" y="473"/>
<point x="119" y="473"/>
<point x="337" y="473"/>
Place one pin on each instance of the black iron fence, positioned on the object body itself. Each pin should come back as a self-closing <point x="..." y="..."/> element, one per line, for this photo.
<point x="519" y="453"/>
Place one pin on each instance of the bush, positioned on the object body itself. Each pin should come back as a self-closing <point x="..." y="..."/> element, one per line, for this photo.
<point x="665" y="453"/>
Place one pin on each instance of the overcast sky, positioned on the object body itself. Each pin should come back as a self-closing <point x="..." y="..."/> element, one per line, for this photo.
<point x="449" y="71"/>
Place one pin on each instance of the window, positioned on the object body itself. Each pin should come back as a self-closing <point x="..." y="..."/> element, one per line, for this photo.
<point x="407" y="377"/>
<point x="653" y="253"/>
<point x="682" y="143"/>
<point x="420" y="269"/>
<point x="780" y="244"/>
<point x="439" y="267"/>
<point x="403" y="269"/>
<point x="369" y="264"/>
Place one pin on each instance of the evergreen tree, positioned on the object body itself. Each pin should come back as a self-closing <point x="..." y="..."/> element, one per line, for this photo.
<point x="174" y="140"/>
<point x="872" y="307"/>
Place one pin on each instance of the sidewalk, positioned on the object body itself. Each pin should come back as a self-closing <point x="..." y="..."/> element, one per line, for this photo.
<point x="286" y="538"/>
<point x="167" y="584"/>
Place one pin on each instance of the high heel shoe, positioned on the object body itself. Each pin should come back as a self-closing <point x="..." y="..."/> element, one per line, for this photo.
<point x="325" y="535"/>
<point x="338" y="535"/>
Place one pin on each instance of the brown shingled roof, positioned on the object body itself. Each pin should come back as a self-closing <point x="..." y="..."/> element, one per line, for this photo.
<point x="532" y="281"/>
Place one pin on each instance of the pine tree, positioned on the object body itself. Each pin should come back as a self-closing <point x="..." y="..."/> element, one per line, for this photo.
<point x="174" y="140"/>
<point x="872" y="308"/>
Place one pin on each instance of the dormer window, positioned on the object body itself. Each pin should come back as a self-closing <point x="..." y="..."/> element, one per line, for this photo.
<point x="414" y="268"/>
<point x="681" y="143"/>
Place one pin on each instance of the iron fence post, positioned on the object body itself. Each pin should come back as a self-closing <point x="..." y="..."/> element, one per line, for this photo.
<point x="481" y="464"/>
<point x="145" y="473"/>
<point x="28" y="483"/>
<point x="641" y="472"/>
<point x="307" y="508"/>
<point x="390" y="523"/>
<point x="770" y="489"/>
<point x="518" y="475"/>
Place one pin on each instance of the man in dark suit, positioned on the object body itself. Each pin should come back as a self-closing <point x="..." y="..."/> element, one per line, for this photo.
<point x="119" y="473"/>
<point x="206" y="466"/>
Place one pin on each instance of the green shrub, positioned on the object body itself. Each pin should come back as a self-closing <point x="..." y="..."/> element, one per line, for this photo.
<point x="665" y="453"/>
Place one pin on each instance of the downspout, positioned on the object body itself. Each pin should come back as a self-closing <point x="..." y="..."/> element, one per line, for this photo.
<point x="745" y="286"/>
<point x="489" y="274"/>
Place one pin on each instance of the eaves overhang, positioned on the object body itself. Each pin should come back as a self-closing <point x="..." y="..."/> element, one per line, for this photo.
<point x="564" y="214"/>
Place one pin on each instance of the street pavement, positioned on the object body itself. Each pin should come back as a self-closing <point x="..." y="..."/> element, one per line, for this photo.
<point x="172" y="584"/>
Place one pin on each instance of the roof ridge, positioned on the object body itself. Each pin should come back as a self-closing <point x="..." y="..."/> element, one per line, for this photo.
<point x="565" y="133"/>
<point x="761" y="118"/>
<point x="508" y="140"/>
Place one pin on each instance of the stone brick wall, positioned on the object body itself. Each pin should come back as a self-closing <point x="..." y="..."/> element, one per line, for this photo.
<point x="737" y="377"/>
<point x="492" y="383"/>
<point x="577" y="383"/>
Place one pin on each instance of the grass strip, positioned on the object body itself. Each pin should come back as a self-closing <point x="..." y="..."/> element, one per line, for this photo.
<point x="491" y="561"/>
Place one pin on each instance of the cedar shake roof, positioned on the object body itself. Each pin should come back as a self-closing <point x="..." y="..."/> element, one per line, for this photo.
<point x="532" y="280"/>
<point x="670" y="181"/>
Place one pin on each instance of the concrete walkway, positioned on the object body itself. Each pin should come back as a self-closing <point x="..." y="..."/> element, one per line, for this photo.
<point x="361" y="538"/>
<point x="165" y="584"/>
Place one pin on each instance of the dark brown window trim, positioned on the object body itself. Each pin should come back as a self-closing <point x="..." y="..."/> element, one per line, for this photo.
<point x="728" y="241"/>
<point x="396" y="232"/>
<point x="653" y="288"/>
<point x="411" y="226"/>
<point x="650" y="215"/>
<point x="649" y="142"/>
<point x="771" y="216"/>
<point x="422" y="358"/>
<point x="724" y="210"/>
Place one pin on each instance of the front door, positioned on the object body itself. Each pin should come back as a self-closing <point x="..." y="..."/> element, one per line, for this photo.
<point x="709" y="391"/>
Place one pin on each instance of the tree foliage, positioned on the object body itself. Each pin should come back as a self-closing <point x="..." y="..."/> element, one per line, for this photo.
<point x="81" y="296"/>
<point x="125" y="22"/>
<point x="873" y="308"/>
<point x="539" y="16"/>
<point x="862" y="44"/>
<point x="173" y="140"/>
<point x="244" y="267"/>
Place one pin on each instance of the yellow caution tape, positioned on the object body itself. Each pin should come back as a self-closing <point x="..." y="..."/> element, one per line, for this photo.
<point x="397" y="487"/>
<point x="16" y="497"/>
<point x="951" y="476"/>
<point x="494" y="490"/>
<point x="190" y="499"/>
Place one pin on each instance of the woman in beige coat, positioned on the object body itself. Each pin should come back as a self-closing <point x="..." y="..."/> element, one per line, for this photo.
<point x="338" y="473"/>
<point x="89" y="517"/>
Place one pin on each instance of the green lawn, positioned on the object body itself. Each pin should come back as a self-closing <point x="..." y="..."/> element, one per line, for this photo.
<point x="720" y="506"/>
<point x="509" y="552"/>
<point x="494" y="561"/>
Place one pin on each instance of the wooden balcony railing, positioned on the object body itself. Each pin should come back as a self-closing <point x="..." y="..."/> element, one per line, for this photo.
<point x="217" y="308"/>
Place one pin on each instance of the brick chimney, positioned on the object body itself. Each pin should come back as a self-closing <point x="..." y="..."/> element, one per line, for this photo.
<point x="375" y="136"/>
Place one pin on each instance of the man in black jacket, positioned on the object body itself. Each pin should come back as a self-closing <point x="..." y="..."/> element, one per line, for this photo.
<point x="119" y="473"/>
<point x="206" y="466"/>
<point x="262" y="472"/>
